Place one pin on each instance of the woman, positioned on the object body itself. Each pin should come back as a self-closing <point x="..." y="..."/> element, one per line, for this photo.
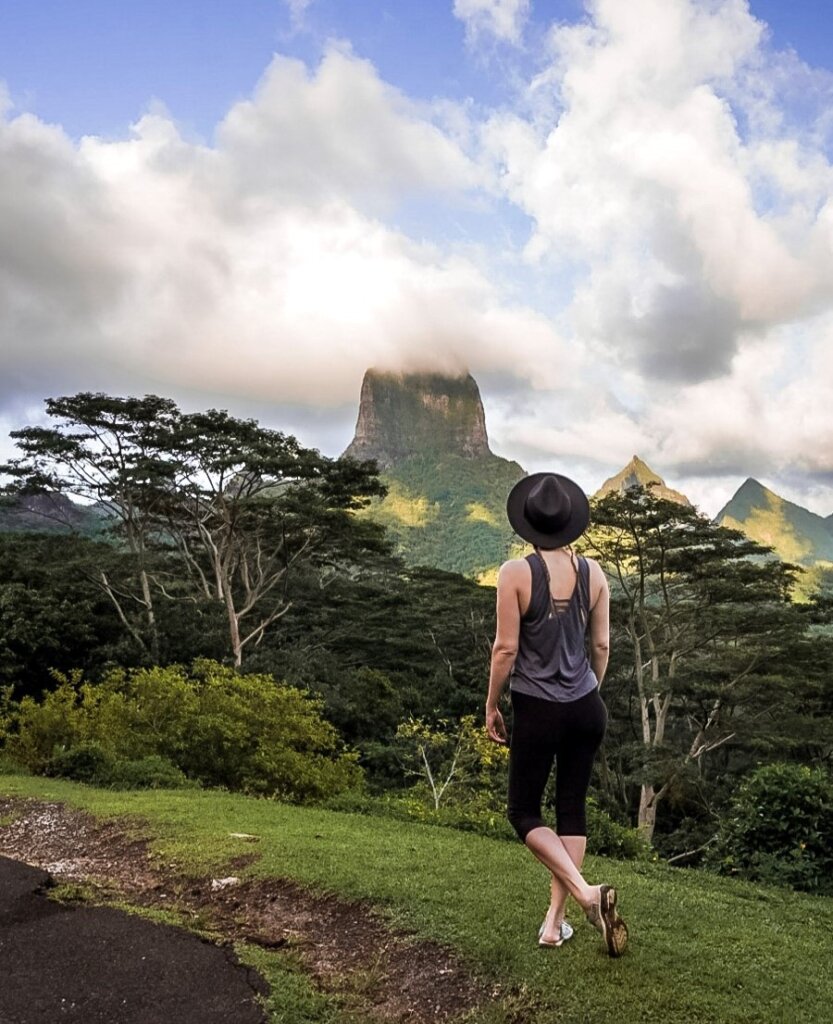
<point x="544" y="602"/>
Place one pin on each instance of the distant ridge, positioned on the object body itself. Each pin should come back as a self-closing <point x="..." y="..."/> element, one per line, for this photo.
<point x="796" y="534"/>
<point x="639" y="474"/>
<point x="50" y="512"/>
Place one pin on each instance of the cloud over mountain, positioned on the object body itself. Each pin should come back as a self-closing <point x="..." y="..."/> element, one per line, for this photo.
<point x="260" y="265"/>
<point x="632" y="251"/>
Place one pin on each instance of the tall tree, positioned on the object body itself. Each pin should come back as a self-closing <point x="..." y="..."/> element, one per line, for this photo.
<point x="211" y="508"/>
<point x="248" y="503"/>
<point x="104" y="450"/>
<point x="702" y="612"/>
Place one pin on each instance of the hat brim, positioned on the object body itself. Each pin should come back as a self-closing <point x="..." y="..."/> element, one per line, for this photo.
<point x="579" y="512"/>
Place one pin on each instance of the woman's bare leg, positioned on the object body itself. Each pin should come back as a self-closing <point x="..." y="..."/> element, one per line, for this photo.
<point x="550" y="849"/>
<point x="575" y="846"/>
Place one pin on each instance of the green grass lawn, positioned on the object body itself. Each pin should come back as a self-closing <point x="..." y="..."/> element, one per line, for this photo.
<point x="703" y="948"/>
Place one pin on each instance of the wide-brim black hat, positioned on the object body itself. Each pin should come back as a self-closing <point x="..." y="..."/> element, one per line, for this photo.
<point x="548" y="509"/>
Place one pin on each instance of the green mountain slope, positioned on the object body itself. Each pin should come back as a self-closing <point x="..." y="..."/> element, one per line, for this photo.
<point x="796" y="534"/>
<point x="446" y="504"/>
<point x="449" y="512"/>
<point x="50" y="513"/>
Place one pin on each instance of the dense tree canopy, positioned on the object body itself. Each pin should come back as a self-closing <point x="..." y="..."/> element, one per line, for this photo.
<point x="212" y="509"/>
<point x="228" y="541"/>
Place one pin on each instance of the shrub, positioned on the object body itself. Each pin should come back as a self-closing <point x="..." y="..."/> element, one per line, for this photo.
<point x="608" y="838"/>
<point x="605" y="837"/>
<point x="779" y="829"/>
<point x="242" y="732"/>
<point x="151" y="772"/>
<point x="87" y="762"/>
<point x="8" y="766"/>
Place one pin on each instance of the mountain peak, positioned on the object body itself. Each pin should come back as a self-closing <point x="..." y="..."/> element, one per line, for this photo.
<point x="795" y="533"/>
<point x="639" y="474"/>
<point x="405" y="414"/>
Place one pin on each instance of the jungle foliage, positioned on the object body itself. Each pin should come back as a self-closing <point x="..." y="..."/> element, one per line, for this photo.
<point x="235" y="551"/>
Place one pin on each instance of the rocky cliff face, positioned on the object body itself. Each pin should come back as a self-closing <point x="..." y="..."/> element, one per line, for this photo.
<point x="639" y="474"/>
<point x="402" y="415"/>
<point x="446" y="500"/>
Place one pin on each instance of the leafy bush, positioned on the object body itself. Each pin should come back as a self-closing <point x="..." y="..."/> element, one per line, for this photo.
<point x="608" y="838"/>
<point x="8" y="766"/>
<point x="780" y="829"/>
<point x="89" y="762"/>
<point x="151" y="772"/>
<point x="605" y="837"/>
<point x="86" y="762"/>
<point x="241" y="732"/>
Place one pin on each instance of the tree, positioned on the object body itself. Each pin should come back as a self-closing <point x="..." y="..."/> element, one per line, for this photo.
<point x="248" y="504"/>
<point x="211" y="508"/>
<point x="105" y="451"/>
<point x="702" y="612"/>
<point x="51" y="614"/>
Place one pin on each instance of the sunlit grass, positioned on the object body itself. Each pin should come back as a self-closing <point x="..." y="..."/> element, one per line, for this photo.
<point x="703" y="948"/>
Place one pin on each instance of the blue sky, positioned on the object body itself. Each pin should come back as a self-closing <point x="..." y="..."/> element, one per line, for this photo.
<point x="93" y="66"/>
<point x="615" y="214"/>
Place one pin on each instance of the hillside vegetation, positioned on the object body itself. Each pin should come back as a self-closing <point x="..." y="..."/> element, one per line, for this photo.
<point x="243" y="584"/>
<point x="449" y="512"/>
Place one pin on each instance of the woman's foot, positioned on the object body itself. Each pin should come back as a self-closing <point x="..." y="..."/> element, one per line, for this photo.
<point x="602" y="914"/>
<point x="557" y="936"/>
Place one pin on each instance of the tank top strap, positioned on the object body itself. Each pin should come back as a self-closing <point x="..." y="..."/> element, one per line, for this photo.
<point x="539" y="594"/>
<point x="583" y="584"/>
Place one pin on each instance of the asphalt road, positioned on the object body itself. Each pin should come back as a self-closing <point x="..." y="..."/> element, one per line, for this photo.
<point x="98" y="965"/>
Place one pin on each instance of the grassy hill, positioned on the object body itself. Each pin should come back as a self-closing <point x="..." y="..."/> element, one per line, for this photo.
<point x="703" y="949"/>
<point x="449" y="512"/>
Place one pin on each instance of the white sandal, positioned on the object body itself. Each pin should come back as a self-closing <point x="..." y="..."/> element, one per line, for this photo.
<point x="566" y="933"/>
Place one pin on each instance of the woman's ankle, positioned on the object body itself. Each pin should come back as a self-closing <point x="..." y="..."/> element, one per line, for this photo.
<point x="590" y="897"/>
<point x="556" y="913"/>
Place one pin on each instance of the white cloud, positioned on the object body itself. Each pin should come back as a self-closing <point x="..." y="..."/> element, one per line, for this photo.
<point x="297" y="10"/>
<point x="502" y="19"/>
<point x="672" y="199"/>
<point x="340" y="132"/>
<point x="257" y="267"/>
<point x="691" y="235"/>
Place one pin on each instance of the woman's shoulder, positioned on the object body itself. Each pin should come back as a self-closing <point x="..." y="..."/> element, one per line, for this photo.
<point x="595" y="571"/>
<point x="513" y="570"/>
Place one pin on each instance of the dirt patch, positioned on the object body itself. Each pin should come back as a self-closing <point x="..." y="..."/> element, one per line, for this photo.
<point x="348" y="947"/>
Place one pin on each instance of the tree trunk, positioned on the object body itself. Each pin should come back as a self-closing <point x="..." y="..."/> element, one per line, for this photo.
<point x="647" y="811"/>
<point x="234" y="629"/>
<point x="150" y="614"/>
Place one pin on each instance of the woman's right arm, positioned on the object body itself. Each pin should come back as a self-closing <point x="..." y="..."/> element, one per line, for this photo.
<point x="600" y="625"/>
<point x="505" y="646"/>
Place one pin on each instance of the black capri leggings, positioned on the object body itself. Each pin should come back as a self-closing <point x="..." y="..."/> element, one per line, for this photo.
<point x="542" y="731"/>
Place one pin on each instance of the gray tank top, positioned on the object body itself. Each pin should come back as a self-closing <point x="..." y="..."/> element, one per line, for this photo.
<point x="552" y="659"/>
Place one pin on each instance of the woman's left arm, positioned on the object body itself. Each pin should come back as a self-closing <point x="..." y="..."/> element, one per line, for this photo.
<point x="505" y="647"/>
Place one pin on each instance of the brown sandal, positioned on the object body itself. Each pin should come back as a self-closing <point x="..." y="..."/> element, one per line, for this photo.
<point x="604" y="917"/>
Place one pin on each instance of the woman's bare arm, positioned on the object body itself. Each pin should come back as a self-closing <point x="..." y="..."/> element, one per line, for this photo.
<point x="505" y="647"/>
<point x="600" y="624"/>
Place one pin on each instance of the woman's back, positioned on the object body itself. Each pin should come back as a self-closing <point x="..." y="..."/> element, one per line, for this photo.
<point x="552" y="660"/>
